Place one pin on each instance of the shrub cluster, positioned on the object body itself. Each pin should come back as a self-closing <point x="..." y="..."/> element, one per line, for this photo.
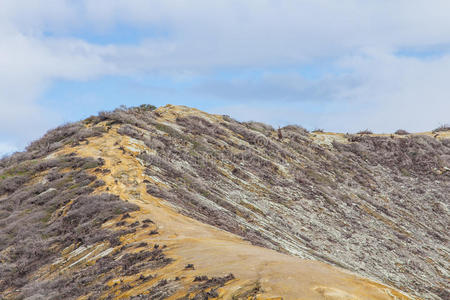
<point x="32" y="225"/>
<point x="67" y="134"/>
<point x="442" y="128"/>
<point x="318" y="130"/>
<point x="261" y="127"/>
<point x="365" y="131"/>
<point x="296" y="128"/>
<point x="140" y="117"/>
<point x="198" y="126"/>
<point x="402" y="132"/>
<point x="416" y="154"/>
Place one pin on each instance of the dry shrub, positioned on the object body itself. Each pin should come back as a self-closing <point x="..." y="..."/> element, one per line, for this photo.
<point x="295" y="128"/>
<point x="32" y="228"/>
<point x="54" y="139"/>
<point x="198" y="126"/>
<point x="442" y="128"/>
<point x="365" y="131"/>
<point x="131" y="131"/>
<point x="261" y="127"/>
<point x="11" y="184"/>
<point x="250" y="136"/>
<point x="415" y="154"/>
<point x="14" y="159"/>
<point x="401" y="132"/>
<point x="139" y="117"/>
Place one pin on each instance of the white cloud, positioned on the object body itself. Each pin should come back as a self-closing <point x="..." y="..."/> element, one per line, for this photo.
<point x="380" y="91"/>
<point x="28" y="66"/>
<point x="245" y="33"/>
<point x="359" y="37"/>
<point x="399" y="92"/>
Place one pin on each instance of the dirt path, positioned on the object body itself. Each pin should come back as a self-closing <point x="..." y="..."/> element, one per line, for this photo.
<point x="214" y="252"/>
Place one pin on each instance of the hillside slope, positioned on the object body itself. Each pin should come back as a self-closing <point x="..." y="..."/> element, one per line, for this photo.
<point x="178" y="203"/>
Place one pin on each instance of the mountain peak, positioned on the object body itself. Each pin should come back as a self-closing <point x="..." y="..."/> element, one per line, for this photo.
<point x="171" y="112"/>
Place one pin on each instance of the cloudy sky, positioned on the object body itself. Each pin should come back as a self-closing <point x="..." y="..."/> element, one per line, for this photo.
<point x="339" y="65"/>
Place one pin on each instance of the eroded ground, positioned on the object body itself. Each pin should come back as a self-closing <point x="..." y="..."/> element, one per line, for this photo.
<point x="212" y="252"/>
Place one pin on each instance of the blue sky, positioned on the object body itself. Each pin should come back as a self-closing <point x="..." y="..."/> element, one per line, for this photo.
<point x="339" y="65"/>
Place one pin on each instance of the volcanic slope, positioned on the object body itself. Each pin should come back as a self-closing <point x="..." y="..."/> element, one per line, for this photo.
<point x="175" y="203"/>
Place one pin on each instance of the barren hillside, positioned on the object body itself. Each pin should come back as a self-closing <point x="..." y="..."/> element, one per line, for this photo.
<point x="147" y="203"/>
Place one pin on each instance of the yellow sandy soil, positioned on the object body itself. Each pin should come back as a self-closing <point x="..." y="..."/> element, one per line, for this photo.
<point x="212" y="251"/>
<point x="326" y="138"/>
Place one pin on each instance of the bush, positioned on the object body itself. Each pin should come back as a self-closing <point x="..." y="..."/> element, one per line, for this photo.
<point x="229" y="119"/>
<point x="144" y="107"/>
<point x="442" y="128"/>
<point x="129" y="130"/>
<point x="128" y="116"/>
<point x="197" y="126"/>
<point x="402" y="132"/>
<point x="261" y="127"/>
<point x="15" y="158"/>
<point x="365" y="131"/>
<point x="69" y="133"/>
<point x="11" y="184"/>
<point x="95" y="209"/>
<point x="296" y="128"/>
<point x="55" y="135"/>
<point x="32" y="226"/>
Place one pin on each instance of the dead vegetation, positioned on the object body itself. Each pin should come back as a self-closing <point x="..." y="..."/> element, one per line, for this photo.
<point x="40" y="218"/>
<point x="442" y="128"/>
<point x="365" y="131"/>
<point x="246" y="175"/>
<point x="372" y="199"/>
<point x="401" y="132"/>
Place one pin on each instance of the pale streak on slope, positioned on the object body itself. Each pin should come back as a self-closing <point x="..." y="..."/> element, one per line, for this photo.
<point x="215" y="252"/>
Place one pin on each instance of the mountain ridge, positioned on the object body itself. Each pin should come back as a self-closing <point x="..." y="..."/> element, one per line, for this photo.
<point x="221" y="176"/>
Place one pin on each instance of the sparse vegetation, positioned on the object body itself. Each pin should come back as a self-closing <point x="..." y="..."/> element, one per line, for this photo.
<point x="67" y="134"/>
<point x="144" y="107"/>
<point x="260" y="127"/>
<point x="296" y="128"/>
<point x="365" y="131"/>
<point x="442" y="128"/>
<point x="402" y="132"/>
<point x="32" y="226"/>
<point x="198" y="126"/>
<point x="287" y="194"/>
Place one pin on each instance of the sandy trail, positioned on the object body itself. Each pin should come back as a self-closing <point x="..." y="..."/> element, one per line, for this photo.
<point x="215" y="252"/>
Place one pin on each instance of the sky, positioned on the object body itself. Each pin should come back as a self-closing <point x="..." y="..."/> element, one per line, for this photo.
<point x="340" y="66"/>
